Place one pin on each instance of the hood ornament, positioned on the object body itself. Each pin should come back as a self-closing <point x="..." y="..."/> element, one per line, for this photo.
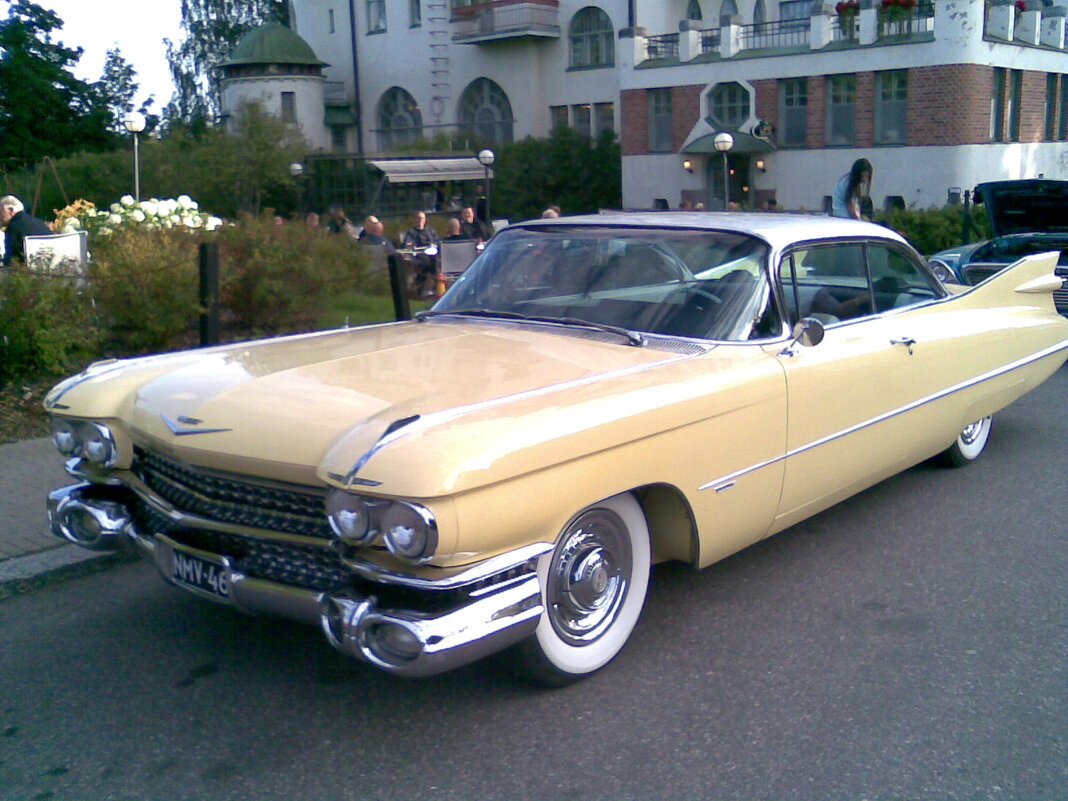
<point x="179" y="427"/>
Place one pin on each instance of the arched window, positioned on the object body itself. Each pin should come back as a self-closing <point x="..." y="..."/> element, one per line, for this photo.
<point x="760" y="14"/>
<point x="693" y="11"/>
<point x="399" y="120"/>
<point x="485" y="113"/>
<point x="728" y="9"/>
<point x="592" y="39"/>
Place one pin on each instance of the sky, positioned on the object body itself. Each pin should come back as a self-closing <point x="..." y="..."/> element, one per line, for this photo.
<point x="136" y="27"/>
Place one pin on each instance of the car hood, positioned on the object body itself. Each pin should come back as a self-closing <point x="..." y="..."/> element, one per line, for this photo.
<point x="1028" y="206"/>
<point x="295" y="408"/>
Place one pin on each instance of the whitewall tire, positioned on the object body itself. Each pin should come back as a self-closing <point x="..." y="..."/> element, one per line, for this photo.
<point x="969" y="444"/>
<point x="593" y="589"/>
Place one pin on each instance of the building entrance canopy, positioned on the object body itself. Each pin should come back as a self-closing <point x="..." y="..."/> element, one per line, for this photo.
<point x="415" y="171"/>
<point x="743" y="143"/>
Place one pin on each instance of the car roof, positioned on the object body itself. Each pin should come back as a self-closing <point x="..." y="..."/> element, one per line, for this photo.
<point x="778" y="229"/>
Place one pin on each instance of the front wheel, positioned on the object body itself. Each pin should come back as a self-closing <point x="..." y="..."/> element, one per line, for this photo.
<point x="969" y="444"/>
<point x="593" y="589"/>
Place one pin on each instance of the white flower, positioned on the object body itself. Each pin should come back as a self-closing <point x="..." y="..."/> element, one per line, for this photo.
<point x="116" y="207"/>
<point x="114" y="219"/>
<point x="185" y="202"/>
<point x="213" y="223"/>
<point x="138" y="216"/>
<point x="150" y="207"/>
<point x="126" y="200"/>
<point x="71" y="225"/>
<point x="103" y="230"/>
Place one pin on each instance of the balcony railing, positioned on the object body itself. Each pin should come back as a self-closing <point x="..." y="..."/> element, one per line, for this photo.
<point x="781" y="33"/>
<point x="505" y="19"/>
<point x="914" y="21"/>
<point x="664" y="46"/>
<point x="710" y="40"/>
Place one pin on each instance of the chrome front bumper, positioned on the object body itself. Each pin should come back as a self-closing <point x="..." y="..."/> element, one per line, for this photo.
<point x="498" y="610"/>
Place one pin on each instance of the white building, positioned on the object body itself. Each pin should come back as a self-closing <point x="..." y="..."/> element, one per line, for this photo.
<point x="939" y="95"/>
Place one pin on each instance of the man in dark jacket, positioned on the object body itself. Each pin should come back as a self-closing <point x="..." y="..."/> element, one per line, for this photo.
<point x="19" y="226"/>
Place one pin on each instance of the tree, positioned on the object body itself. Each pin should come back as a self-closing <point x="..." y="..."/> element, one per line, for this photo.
<point x="44" y="109"/>
<point x="212" y="29"/>
<point x="118" y="87"/>
<point x="570" y="170"/>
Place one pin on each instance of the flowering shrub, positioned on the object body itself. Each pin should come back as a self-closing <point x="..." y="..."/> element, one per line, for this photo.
<point x="847" y="8"/>
<point x="183" y="212"/>
<point x="1021" y="6"/>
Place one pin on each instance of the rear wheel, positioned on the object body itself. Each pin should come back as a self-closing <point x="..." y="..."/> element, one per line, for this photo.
<point x="593" y="589"/>
<point x="969" y="445"/>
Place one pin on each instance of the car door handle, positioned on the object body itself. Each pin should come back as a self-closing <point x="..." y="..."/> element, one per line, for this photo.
<point x="908" y="342"/>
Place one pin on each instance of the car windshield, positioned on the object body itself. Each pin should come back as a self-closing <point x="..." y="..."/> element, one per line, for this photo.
<point x="1016" y="246"/>
<point x="686" y="283"/>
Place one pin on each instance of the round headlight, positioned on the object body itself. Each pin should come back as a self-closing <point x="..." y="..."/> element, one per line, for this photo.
<point x="64" y="437"/>
<point x="350" y="517"/>
<point x="98" y="444"/>
<point x="409" y="531"/>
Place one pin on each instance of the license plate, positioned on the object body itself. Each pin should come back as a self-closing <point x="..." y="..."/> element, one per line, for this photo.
<point x="201" y="573"/>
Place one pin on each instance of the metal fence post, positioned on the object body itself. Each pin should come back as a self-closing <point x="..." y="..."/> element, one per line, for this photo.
<point x="209" y="293"/>
<point x="402" y="309"/>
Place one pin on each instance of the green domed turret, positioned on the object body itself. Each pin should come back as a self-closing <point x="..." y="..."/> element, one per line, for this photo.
<point x="271" y="44"/>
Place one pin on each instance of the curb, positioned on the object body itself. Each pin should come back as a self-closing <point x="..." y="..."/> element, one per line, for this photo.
<point x="23" y="574"/>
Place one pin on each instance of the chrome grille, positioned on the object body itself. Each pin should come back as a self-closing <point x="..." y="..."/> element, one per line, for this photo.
<point x="287" y="563"/>
<point x="231" y="500"/>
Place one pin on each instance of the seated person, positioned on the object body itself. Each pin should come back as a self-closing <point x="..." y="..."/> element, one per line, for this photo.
<point x="373" y="234"/>
<point x="424" y="266"/>
<point x="367" y="224"/>
<point x="472" y="227"/>
<point x="455" y="232"/>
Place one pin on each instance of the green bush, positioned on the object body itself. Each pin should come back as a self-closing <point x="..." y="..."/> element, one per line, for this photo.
<point x="143" y="293"/>
<point x="279" y="278"/>
<point x="146" y="286"/>
<point x="47" y="325"/>
<point x="934" y="229"/>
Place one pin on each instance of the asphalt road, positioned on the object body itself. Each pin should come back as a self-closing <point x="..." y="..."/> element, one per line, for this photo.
<point x="909" y="643"/>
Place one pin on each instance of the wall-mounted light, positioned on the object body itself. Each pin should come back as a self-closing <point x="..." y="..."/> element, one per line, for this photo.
<point x="687" y="165"/>
<point x="760" y="165"/>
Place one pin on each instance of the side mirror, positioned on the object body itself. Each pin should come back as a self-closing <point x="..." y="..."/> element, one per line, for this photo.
<point x="808" y="331"/>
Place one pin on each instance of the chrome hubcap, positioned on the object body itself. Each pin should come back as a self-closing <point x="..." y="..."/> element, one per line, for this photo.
<point x="589" y="577"/>
<point x="973" y="431"/>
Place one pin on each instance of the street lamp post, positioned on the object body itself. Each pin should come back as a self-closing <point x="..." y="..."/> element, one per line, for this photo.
<point x="486" y="157"/>
<point x="296" y="170"/>
<point x="723" y="142"/>
<point x="134" y="121"/>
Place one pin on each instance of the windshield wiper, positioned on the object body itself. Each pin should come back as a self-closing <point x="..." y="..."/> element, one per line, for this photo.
<point x="633" y="337"/>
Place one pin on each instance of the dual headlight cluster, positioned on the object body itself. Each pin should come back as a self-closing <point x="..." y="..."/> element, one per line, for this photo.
<point x="93" y="442"/>
<point x="408" y="530"/>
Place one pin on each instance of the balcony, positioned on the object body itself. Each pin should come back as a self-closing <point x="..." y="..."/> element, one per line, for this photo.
<point x="505" y="19"/>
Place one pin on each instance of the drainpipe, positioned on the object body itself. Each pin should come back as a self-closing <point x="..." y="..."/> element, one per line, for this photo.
<point x="356" y="78"/>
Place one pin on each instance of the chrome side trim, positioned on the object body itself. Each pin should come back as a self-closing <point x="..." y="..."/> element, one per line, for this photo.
<point x="724" y="482"/>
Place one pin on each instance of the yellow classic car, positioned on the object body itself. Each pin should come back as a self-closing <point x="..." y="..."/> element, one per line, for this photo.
<point x="593" y="395"/>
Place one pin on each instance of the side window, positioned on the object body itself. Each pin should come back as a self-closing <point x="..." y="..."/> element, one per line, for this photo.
<point x="896" y="280"/>
<point x="829" y="282"/>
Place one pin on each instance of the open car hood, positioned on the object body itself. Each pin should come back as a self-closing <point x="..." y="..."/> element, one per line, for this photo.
<point x="1026" y="206"/>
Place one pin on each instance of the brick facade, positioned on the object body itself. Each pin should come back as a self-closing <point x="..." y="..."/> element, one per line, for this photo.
<point x="947" y="105"/>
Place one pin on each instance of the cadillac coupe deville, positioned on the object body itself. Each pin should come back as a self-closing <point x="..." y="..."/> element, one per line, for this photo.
<point x="593" y="395"/>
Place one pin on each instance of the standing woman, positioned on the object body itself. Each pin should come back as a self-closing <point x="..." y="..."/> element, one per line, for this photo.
<point x="851" y="190"/>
